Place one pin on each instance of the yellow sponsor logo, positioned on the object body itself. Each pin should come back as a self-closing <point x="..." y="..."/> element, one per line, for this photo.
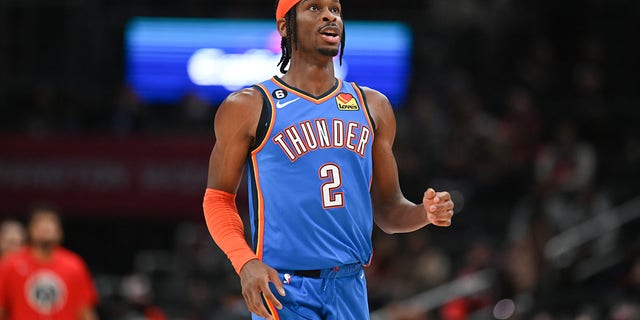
<point x="346" y="102"/>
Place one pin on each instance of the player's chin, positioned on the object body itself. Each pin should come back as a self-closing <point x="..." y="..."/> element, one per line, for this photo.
<point x="329" y="51"/>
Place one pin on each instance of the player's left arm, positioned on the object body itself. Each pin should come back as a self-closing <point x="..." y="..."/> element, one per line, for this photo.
<point x="393" y="213"/>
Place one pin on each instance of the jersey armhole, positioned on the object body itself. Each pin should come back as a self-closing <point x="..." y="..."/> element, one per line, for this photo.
<point x="264" y="122"/>
<point x="366" y="105"/>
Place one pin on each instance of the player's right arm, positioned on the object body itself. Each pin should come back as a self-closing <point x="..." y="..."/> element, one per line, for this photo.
<point x="235" y="128"/>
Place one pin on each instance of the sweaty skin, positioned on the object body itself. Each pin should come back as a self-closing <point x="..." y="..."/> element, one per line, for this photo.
<point x="311" y="70"/>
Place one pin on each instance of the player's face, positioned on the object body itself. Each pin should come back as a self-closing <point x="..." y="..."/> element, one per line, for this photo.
<point x="45" y="230"/>
<point x="320" y="26"/>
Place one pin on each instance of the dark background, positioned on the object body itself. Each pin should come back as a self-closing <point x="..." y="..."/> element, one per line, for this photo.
<point x="526" y="111"/>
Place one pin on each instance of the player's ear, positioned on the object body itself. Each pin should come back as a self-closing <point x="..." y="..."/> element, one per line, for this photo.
<point x="282" y="27"/>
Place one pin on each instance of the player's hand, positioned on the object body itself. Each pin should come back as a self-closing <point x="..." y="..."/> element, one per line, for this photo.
<point x="254" y="278"/>
<point x="439" y="207"/>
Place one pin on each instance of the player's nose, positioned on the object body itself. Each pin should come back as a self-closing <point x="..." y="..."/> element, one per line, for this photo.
<point x="328" y="16"/>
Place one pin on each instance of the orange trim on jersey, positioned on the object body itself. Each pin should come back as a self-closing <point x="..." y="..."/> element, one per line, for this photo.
<point x="307" y="96"/>
<point x="365" y="108"/>
<point x="271" y="121"/>
<point x="254" y="162"/>
<point x="260" y="213"/>
<point x="272" y="309"/>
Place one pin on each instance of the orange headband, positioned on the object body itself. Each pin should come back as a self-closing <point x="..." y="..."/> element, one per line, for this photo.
<point x="284" y="6"/>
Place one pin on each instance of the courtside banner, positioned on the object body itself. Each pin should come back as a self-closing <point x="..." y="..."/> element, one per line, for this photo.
<point x="104" y="175"/>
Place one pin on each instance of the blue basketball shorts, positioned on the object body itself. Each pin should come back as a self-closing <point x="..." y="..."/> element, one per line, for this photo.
<point x="338" y="293"/>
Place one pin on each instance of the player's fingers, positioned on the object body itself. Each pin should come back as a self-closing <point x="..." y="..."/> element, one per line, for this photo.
<point x="261" y="311"/>
<point x="444" y="195"/>
<point x="437" y="208"/>
<point x="443" y="223"/>
<point x="446" y="205"/>
<point x="444" y="214"/>
<point x="254" y="303"/>
<point x="268" y="295"/>
<point x="439" y="217"/>
<point x="435" y="221"/>
<point x="443" y="219"/>
<point x="275" y="278"/>
<point x="429" y="194"/>
<point x="442" y="207"/>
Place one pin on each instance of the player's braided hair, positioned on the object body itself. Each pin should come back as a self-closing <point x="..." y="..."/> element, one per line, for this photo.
<point x="292" y="37"/>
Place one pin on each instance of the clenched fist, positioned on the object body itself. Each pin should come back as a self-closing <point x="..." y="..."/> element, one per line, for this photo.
<point x="439" y="207"/>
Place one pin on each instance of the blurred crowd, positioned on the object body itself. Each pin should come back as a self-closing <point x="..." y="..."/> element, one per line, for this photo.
<point x="525" y="110"/>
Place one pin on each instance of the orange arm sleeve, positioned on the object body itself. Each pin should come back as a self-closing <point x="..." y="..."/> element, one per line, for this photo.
<point x="226" y="228"/>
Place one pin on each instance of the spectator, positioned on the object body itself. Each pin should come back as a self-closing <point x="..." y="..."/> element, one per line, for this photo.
<point x="12" y="237"/>
<point x="137" y="291"/>
<point x="44" y="280"/>
<point x="564" y="169"/>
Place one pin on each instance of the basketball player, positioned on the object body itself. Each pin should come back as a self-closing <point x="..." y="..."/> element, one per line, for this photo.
<point x="318" y="152"/>
<point x="12" y="237"/>
<point x="43" y="280"/>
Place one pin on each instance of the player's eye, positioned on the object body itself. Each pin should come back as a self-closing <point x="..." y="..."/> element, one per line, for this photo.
<point x="335" y="10"/>
<point x="313" y="7"/>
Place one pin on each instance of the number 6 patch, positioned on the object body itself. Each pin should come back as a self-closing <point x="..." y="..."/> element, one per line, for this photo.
<point x="279" y="94"/>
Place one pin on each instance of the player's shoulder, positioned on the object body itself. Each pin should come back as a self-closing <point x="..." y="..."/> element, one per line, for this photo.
<point x="374" y="96"/>
<point x="378" y="104"/>
<point x="247" y="97"/>
<point x="241" y="104"/>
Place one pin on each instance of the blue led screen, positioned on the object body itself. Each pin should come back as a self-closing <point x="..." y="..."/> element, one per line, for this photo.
<point x="168" y="58"/>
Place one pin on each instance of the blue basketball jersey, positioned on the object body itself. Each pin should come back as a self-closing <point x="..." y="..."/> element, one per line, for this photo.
<point x="310" y="178"/>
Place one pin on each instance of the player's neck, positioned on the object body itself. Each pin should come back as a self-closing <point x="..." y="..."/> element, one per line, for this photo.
<point x="315" y="77"/>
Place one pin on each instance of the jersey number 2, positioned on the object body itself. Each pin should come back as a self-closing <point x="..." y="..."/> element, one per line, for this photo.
<point x="330" y="197"/>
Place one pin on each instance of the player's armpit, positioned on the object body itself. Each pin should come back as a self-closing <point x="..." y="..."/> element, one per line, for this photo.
<point x="226" y="227"/>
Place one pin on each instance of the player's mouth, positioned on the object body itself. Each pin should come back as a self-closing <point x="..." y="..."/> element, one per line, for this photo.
<point x="330" y="34"/>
